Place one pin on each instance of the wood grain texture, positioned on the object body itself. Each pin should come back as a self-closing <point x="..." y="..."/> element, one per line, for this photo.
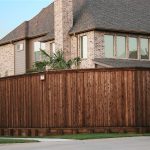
<point x="92" y="98"/>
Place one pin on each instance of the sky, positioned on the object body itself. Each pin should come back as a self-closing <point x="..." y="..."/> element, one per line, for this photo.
<point x="14" y="12"/>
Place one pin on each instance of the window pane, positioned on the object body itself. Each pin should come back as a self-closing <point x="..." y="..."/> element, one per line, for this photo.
<point x="36" y="46"/>
<point x="20" y="47"/>
<point x="109" y="46"/>
<point x="133" y="48"/>
<point x="121" y="47"/>
<point x="37" y="51"/>
<point x="144" y="49"/>
<point x="84" y="47"/>
<point x="37" y="56"/>
<point x="43" y="46"/>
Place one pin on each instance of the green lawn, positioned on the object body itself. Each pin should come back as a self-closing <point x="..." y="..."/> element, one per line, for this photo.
<point x="76" y="137"/>
<point x="97" y="136"/>
<point x="11" y="141"/>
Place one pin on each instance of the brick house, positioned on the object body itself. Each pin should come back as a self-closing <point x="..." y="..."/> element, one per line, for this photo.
<point x="104" y="33"/>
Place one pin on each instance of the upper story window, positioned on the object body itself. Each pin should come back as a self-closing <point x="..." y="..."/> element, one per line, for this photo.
<point x="20" y="47"/>
<point x="37" y="50"/>
<point x="117" y="46"/>
<point x="42" y="46"/>
<point x="52" y="48"/>
<point x="109" y="46"/>
<point x="144" y="48"/>
<point x="133" y="52"/>
<point x="83" y="47"/>
<point x="121" y="47"/>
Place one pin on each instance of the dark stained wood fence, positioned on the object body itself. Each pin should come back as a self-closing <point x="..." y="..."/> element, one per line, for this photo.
<point x="76" y="99"/>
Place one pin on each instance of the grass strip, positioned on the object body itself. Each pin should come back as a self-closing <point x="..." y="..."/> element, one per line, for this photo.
<point x="11" y="141"/>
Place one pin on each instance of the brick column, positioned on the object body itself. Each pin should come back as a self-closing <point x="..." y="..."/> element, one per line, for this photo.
<point x="63" y="22"/>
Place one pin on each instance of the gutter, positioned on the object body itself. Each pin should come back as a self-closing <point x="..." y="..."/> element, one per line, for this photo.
<point x="111" y="30"/>
<point x="102" y="64"/>
<point x="23" y="38"/>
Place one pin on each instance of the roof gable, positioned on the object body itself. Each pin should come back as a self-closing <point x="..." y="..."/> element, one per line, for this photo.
<point x="42" y="23"/>
<point x="39" y="25"/>
<point x="19" y="33"/>
<point x="131" y="16"/>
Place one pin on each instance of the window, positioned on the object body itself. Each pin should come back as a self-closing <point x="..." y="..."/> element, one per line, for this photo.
<point x="144" y="49"/>
<point x="20" y="47"/>
<point x="115" y="47"/>
<point x="42" y="46"/>
<point x="121" y="47"/>
<point x="109" y="46"/>
<point x="133" y="48"/>
<point x="52" y="48"/>
<point x="84" y="48"/>
<point x="37" y="47"/>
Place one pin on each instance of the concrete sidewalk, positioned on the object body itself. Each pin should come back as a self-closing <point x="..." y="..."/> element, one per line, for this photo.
<point x="134" y="143"/>
<point x="40" y="139"/>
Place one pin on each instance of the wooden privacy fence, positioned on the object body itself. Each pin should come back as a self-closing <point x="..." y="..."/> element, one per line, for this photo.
<point x="74" y="101"/>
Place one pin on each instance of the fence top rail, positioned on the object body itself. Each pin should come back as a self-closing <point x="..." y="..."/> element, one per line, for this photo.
<point x="79" y="71"/>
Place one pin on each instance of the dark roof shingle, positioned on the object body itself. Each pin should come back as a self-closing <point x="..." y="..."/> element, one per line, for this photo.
<point x="132" y="16"/>
<point x="43" y="23"/>
<point x="118" y="15"/>
<point x="19" y="33"/>
<point x="39" y="25"/>
<point x="121" y="63"/>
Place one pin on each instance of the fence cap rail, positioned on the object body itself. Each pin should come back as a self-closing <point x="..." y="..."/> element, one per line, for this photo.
<point x="79" y="70"/>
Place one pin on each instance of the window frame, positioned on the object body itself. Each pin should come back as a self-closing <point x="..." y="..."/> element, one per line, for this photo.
<point x="52" y="49"/>
<point x="116" y="47"/>
<point x="148" y="48"/>
<point x="81" y="46"/>
<point x="138" y="37"/>
<point x="18" y="44"/>
<point x="39" y="50"/>
<point x="114" y="43"/>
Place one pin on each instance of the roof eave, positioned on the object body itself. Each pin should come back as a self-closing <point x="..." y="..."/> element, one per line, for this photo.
<point x="13" y="41"/>
<point x="23" y="38"/>
<point x="51" y="39"/>
<point x="110" y="30"/>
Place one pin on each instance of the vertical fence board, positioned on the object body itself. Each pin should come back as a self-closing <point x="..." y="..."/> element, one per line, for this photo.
<point x="76" y="99"/>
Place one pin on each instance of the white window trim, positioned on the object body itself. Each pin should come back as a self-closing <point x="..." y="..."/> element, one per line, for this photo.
<point x="39" y="49"/>
<point x="52" y="48"/>
<point x="82" y="51"/>
<point x="20" y="45"/>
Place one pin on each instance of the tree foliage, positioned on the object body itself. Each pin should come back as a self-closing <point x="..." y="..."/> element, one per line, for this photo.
<point x="55" y="61"/>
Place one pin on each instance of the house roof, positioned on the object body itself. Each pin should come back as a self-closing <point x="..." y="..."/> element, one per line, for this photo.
<point x="132" y="16"/>
<point x="123" y="63"/>
<point x="40" y="25"/>
<point x="19" y="33"/>
<point x="114" y="15"/>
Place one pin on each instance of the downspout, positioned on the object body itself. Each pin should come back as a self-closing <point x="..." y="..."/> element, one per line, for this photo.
<point x="11" y="42"/>
<point x="77" y="44"/>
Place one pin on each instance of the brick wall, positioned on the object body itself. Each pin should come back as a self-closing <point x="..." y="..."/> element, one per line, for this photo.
<point x="48" y="48"/>
<point x="95" y="47"/>
<point x="7" y="60"/>
<point x="71" y="45"/>
<point x="99" y="44"/>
